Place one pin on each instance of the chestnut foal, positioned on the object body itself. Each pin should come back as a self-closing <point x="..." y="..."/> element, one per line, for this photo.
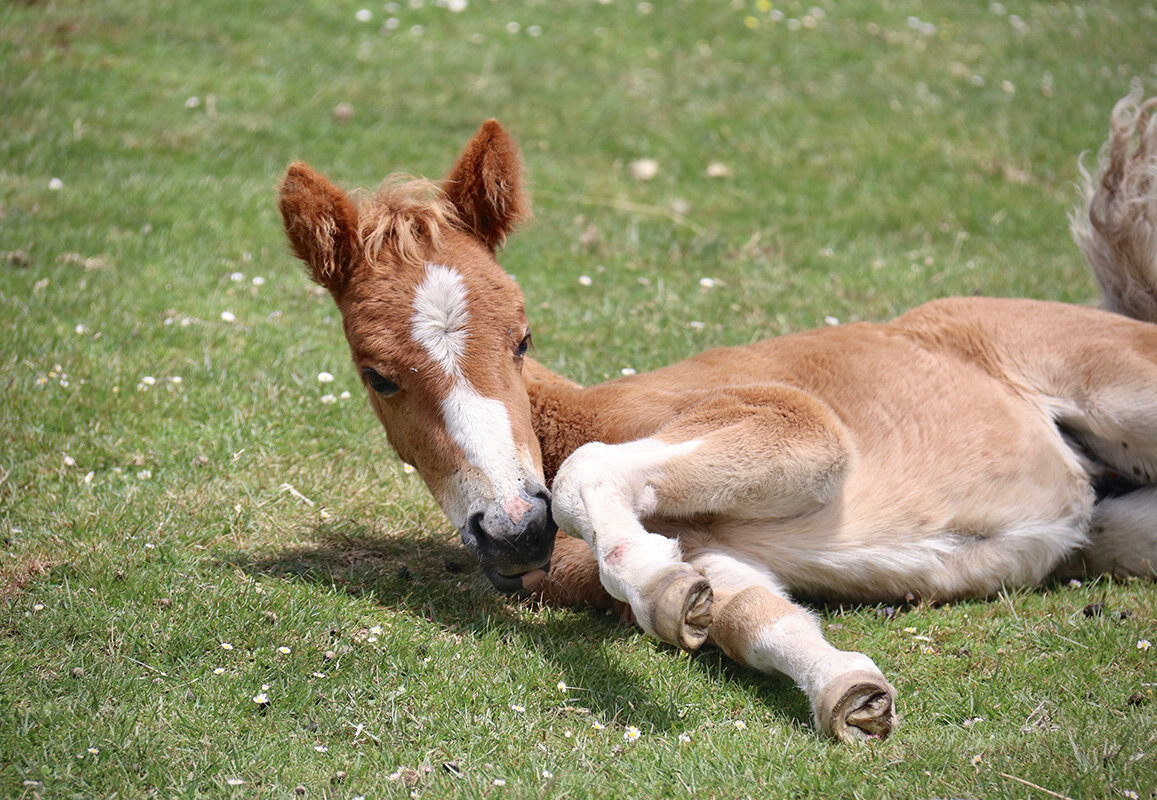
<point x="967" y="445"/>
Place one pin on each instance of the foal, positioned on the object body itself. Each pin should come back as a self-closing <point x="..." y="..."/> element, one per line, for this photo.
<point x="967" y="445"/>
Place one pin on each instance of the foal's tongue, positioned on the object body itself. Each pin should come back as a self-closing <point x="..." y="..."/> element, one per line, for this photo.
<point x="532" y="579"/>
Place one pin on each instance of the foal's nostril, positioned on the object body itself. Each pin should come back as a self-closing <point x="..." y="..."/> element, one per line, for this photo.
<point x="474" y="535"/>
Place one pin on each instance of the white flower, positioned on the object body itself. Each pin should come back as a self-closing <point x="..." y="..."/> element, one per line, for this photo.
<point x="94" y="750"/>
<point x="284" y="650"/>
<point x="324" y="377"/>
<point x="261" y="698"/>
<point x="56" y="184"/>
<point x="320" y="748"/>
<point x="632" y="734"/>
<point x="376" y="630"/>
<point x="228" y="316"/>
<point x="627" y="371"/>
<point x="317" y="674"/>
<point x="644" y="169"/>
<point x="598" y="726"/>
<point x="144" y="474"/>
<point x="328" y="399"/>
<point x="562" y="687"/>
<point x="408" y="468"/>
<point x="237" y="277"/>
<point x="513" y="27"/>
<point x="740" y="724"/>
<point x="717" y="169"/>
<point x="226" y="646"/>
<point x="364" y="15"/>
<point x="259" y="281"/>
<point x="456" y="6"/>
<point x="149" y="380"/>
<point x="585" y="280"/>
<point x="38" y="607"/>
<point x="69" y="461"/>
<point x="546" y="773"/>
<point x="81" y="330"/>
<point x="534" y="30"/>
<point x="833" y="321"/>
<point x="707" y="283"/>
<point x="1144" y="644"/>
<point x="685" y="738"/>
<point x="517" y="709"/>
<point x="499" y="782"/>
<point x="234" y="781"/>
<point x="219" y="671"/>
<point x="976" y="759"/>
<point x="193" y="102"/>
<point x="344" y="395"/>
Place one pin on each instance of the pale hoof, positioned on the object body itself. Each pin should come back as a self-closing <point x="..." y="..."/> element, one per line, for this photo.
<point x="681" y="608"/>
<point x="857" y="707"/>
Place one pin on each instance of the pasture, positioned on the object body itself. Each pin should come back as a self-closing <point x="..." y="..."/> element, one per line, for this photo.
<point x="215" y="577"/>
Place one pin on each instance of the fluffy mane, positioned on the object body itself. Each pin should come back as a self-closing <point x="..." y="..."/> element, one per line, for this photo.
<point x="407" y="215"/>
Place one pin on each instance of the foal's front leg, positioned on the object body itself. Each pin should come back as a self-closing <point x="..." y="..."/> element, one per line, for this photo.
<point x="771" y="456"/>
<point x="601" y="493"/>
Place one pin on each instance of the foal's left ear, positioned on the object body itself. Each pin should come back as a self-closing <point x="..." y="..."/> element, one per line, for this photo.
<point x="321" y="224"/>
<point x="485" y="185"/>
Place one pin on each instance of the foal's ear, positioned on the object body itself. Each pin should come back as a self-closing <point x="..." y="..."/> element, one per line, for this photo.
<point x="321" y="224"/>
<point x="485" y="185"/>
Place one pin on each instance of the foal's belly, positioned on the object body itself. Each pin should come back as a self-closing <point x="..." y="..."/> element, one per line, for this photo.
<point x="935" y="514"/>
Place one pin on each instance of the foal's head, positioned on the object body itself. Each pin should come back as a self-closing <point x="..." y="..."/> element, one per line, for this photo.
<point x="438" y="333"/>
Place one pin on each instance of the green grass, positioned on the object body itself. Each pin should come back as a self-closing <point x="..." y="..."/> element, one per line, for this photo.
<point x="873" y="164"/>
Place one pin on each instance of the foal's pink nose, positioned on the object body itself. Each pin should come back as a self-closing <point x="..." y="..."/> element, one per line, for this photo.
<point x="516" y="508"/>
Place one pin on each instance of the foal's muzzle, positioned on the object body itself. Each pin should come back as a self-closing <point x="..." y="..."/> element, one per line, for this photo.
<point x="507" y="549"/>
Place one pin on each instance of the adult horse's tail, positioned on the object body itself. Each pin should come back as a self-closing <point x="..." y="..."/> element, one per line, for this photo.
<point x="1115" y="225"/>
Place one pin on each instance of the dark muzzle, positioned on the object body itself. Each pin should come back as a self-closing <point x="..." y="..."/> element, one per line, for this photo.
<point x="507" y="549"/>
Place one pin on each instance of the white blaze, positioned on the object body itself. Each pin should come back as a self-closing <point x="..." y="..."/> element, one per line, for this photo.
<point x="440" y="317"/>
<point x="479" y="425"/>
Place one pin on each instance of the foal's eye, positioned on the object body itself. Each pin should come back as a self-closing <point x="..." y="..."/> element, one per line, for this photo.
<point x="523" y="346"/>
<point x="381" y="385"/>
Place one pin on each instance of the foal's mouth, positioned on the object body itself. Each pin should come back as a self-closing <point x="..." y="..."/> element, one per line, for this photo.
<point x="516" y="583"/>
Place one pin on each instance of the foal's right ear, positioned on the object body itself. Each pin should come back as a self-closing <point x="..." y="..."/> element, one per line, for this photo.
<point x="321" y="224"/>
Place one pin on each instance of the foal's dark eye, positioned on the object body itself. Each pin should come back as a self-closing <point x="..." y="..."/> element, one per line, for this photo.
<point x="383" y="386"/>
<point x="523" y="346"/>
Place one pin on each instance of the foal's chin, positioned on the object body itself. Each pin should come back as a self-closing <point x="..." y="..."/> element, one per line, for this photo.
<point x="517" y="584"/>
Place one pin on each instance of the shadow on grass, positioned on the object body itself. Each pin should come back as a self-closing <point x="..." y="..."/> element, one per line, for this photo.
<point x="441" y="583"/>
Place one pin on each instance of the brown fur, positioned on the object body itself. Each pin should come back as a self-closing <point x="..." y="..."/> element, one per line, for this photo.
<point x="968" y="445"/>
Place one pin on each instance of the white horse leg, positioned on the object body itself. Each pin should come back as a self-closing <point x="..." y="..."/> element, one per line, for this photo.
<point x="773" y="452"/>
<point x="756" y="624"/>
<point x="600" y="494"/>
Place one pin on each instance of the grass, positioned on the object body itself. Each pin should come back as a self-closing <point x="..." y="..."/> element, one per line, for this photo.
<point x="874" y="162"/>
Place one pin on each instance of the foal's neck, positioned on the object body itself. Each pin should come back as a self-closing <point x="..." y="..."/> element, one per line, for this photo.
<point x="562" y="420"/>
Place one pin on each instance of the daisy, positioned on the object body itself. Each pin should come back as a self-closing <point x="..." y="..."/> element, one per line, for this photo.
<point x="632" y="734"/>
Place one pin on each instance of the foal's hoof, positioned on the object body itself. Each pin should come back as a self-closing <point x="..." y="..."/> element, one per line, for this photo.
<point x="681" y="608"/>
<point x="857" y="707"/>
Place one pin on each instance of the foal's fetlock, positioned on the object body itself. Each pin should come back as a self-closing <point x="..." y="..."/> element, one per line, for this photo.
<point x="679" y="607"/>
<point x="857" y="707"/>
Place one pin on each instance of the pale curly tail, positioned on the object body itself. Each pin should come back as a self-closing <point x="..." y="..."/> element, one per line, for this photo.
<point x="1115" y="224"/>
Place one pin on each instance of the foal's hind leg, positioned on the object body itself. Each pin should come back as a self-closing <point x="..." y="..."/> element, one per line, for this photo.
<point x="1122" y="538"/>
<point x="769" y="454"/>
